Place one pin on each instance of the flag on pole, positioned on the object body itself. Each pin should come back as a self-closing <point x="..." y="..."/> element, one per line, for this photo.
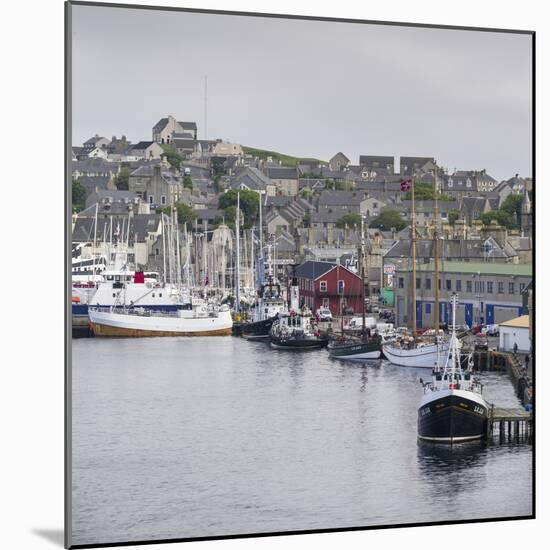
<point x="406" y="185"/>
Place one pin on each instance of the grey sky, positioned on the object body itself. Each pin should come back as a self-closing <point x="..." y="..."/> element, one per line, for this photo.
<point x="307" y="88"/>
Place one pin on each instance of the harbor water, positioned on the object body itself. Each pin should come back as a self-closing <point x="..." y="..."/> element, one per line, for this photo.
<point x="190" y="437"/>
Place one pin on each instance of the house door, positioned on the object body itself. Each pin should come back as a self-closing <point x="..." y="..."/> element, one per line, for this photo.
<point x="490" y="311"/>
<point x="468" y="314"/>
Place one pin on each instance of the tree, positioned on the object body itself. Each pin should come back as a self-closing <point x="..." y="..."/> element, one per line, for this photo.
<point x="188" y="182"/>
<point x="351" y="220"/>
<point x="172" y="156"/>
<point x="78" y="196"/>
<point x="512" y="205"/>
<point x="425" y="192"/>
<point x="248" y="201"/>
<point x="186" y="214"/>
<point x="389" y="218"/>
<point x="453" y="215"/>
<point x="307" y="193"/>
<point x="123" y="178"/>
<point x="501" y="217"/>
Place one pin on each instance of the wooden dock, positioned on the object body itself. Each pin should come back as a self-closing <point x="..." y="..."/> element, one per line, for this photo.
<point x="510" y="424"/>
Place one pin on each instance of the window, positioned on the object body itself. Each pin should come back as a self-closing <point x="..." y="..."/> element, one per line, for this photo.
<point x="459" y="285"/>
<point x="428" y="284"/>
<point x="511" y="288"/>
<point x="521" y="287"/>
<point x="439" y="284"/>
<point x="428" y="309"/>
<point x="418" y="283"/>
<point x="150" y="199"/>
<point x="341" y="287"/>
<point x="448" y="284"/>
<point x="401" y="282"/>
<point x="468" y="286"/>
<point x="163" y="199"/>
<point x="501" y="288"/>
<point x="489" y="287"/>
<point x="323" y="286"/>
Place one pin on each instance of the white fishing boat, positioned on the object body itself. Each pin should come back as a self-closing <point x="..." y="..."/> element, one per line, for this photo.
<point x="422" y="354"/>
<point x="204" y="320"/>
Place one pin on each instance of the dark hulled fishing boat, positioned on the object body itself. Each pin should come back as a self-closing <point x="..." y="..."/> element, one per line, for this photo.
<point x="270" y="305"/>
<point x="296" y="328"/>
<point x="453" y="408"/>
<point x="365" y="346"/>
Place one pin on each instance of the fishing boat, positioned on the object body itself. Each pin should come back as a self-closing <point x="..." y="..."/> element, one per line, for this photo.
<point x="187" y="320"/>
<point x="296" y="328"/>
<point x="453" y="408"/>
<point x="270" y="305"/>
<point x="365" y="346"/>
<point x="419" y="353"/>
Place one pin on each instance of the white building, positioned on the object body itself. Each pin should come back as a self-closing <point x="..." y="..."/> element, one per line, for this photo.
<point x="515" y="331"/>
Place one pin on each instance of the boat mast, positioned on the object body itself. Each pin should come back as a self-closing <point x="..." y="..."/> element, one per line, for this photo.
<point x="95" y="238"/>
<point x="413" y="256"/>
<point x="362" y="273"/>
<point x="237" y="267"/>
<point x="252" y="277"/>
<point x="163" y="226"/>
<point x="436" y="258"/>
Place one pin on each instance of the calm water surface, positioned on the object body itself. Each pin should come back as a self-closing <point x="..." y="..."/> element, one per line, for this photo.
<point x="186" y="437"/>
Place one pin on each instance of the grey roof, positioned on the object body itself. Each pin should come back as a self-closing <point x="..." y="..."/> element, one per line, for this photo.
<point x="277" y="201"/>
<point x="331" y="215"/>
<point x="91" y="183"/>
<point x="188" y="125"/>
<point x="160" y="125"/>
<point x="209" y="214"/>
<point x="340" y="198"/>
<point x="282" y="173"/>
<point x="142" y="145"/>
<point x="312" y="270"/>
<point x="414" y="162"/>
<point x="451" y="249"/>
<point x="94" y="165"/>
<point x="103" y="194"/>
<point x="375" y="161"/>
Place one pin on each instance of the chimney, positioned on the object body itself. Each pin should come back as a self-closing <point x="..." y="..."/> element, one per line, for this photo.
<point x="330" y="235"/>
<point x="156" y="171"/>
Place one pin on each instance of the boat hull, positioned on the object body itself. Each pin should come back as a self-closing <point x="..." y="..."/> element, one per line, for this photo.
<point x="298" y="344"/>
<point x="258" y="330"/>
<point x="124" y="325"/>
<point x="452" y="416"/>
<point x="355" y="352"/>
<point x="421" y="357"/>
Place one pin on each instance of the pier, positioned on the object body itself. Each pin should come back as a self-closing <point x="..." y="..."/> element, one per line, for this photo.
<point x="510" y="424"/>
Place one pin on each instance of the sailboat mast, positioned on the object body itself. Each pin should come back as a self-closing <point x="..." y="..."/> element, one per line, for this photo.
<point x="413" y="257"/>
<point x="362" y="273"/>
<point x="94" y="247"/>
<point x="436" y="257"/>
<point x="237" y="267"/>
<point x="163" y="226"/>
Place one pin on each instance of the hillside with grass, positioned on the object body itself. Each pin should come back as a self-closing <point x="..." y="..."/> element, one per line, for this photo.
<point x="285" y="160"/>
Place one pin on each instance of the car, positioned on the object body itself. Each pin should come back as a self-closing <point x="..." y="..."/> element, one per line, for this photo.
<point x="481" y="342"/>
<point x="324" y="314"/>
<point x="348" y="310"/>
<point x="491" y="330"/>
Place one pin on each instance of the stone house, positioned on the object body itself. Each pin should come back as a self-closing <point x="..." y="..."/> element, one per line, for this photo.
<point x="338" y="162"/>
<point x="147" y="150"/>
<point x="164" y="130"/>
<point x="158" y="186"/>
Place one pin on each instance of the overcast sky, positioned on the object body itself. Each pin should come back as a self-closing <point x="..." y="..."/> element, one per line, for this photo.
<point x="307" y="88"/>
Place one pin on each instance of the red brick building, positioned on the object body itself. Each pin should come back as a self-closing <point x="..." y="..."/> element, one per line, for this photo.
<point x="324" y="283"/>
